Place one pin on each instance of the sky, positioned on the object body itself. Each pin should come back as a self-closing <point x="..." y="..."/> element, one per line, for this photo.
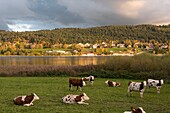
<point x="31" y="15"/>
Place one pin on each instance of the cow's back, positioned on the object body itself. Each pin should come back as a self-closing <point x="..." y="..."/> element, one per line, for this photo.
<point x="76" y="82"/>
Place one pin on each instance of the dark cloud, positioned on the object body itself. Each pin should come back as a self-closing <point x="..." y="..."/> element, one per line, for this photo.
<point x="3" y="25"/>
<point x="50" y="10"/>
<point x="49" y="14"/>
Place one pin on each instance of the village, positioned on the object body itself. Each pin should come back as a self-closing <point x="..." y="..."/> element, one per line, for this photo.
<point x="110" y="49"/>
<point x="127" y="48"/>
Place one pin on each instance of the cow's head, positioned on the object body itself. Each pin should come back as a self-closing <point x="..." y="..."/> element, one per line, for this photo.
<point x="129" y="83"/>
<point x="85" y="97"/>
<point x="35" y="96"/>
<point x="137" y="110"/>
<point x="162" y="81"/>
<point x="83" y="82"/>
<point x="106" y="81"/>
<point x="144" y="83"/>
<point x="117" y="84"/>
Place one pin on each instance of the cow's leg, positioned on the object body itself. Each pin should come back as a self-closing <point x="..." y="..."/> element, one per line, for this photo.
<point x="91" y="83"/>
<point x="27" y="104"/>
<point x="158" y="89"/>
<point x="31" y="104"/>
<point x="130" y="93"/>
<point x="80" y="88"/>
<point x="82" y="103"/>
<point x="70" y="87"/>
<point x="148" y="88"/>
<point x="141" y="94"/>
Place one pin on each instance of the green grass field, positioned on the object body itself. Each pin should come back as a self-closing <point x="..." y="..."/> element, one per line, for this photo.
<point x="103" y="99"/>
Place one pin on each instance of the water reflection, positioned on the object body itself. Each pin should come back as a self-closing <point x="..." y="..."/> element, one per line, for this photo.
<point x="76" y="60"/>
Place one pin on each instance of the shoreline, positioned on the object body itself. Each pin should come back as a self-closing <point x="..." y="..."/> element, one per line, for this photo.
<point x="84" y="55"/>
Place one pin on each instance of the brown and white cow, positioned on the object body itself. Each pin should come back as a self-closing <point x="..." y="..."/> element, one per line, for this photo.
<point x="25" y="100"/>
<point x="136" y="110"/>
<point x="112" y="84"/>
<point x="155" y="83"/>
<point x="137" y="86"/>
<point x="76" y="82"/>
<point x="72" y="99"/>
<point x="90" y="79"/>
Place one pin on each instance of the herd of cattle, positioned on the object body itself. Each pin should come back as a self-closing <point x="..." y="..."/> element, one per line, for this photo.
<point x="27" y="100"/>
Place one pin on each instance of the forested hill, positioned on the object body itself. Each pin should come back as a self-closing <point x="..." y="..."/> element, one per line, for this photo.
<point x="144" y="33"/>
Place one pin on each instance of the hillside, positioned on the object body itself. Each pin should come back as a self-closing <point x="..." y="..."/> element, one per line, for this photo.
<point x="142" y="33"/>
<point x="98" y="40"/>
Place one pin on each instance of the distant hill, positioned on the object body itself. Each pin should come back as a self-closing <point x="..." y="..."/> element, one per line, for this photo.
<point x="143" y="33"/>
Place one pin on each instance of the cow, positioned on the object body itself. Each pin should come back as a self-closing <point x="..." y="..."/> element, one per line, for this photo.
<point x="25" y="100"/>
<point x="90" y="79"/>
<point x="76" y="82"/>
<point x="137" y="86"/>
<point x="136" y="110"/>
<point x="112" y="84"/>
<point x="155" y="83"/>
<point x="72" y="99"/>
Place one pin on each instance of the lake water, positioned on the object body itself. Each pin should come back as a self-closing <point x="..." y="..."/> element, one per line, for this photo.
<point x="61" y="60"/>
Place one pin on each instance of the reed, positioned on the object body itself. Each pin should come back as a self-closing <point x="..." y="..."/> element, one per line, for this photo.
<point x="137" y="67"/>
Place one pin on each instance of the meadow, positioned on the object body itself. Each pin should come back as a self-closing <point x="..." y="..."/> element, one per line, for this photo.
<point x="103" y="99"/>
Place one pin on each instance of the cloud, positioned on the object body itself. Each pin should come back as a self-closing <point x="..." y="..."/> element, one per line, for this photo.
<point x="132" y="8"/>
<point x="14" y="9"/>
<point x="20" y="27"/>
<point x="50" y="10"/>
<point x="3" y="25"/>
<point x="50" y="14"/>
<point x="118" y="12"/>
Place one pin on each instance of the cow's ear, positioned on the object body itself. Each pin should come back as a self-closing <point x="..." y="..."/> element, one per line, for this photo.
<point x="32" y="93"/>
<point x="132" y="109"/>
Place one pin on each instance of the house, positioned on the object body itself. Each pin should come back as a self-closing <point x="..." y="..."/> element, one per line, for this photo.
<point x="164" y="47"/>
<point x="120" y="45"/>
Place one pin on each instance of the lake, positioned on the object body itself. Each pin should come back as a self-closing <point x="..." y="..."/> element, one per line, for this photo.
<point x="50" y="60"/>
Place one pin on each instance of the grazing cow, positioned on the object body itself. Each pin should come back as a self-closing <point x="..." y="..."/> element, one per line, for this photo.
<point x="26" y="100"/>
<point x="79" y="99"/>
<point x="112" y="84"/>
<point x="76" y="82"/>
<point x="90" y="79"/>
<point x="136" y="110"/>
<point x="136" y="86"/>
<point x="155" y="83"/>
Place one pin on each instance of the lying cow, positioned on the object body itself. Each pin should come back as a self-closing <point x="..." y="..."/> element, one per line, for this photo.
<point x="76" y="82"/>
<point x="79" y="99"/>
<point x="26" y="100"/>
<point x="112" y="84"/>
<point x="90" y="79"/>
<point x="155" y="83"/>
<point x="136" y="110"/>
<point x="137" y="86"/>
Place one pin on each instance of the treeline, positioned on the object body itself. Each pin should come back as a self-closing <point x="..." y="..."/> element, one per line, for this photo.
<point x="137" y="67"/>
<point x="143" y="33"/>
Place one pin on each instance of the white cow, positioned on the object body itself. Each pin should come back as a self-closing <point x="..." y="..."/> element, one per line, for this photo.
<point x="135" y="110"/>
<point x="90" y="79"/>
<point x="25" y="100"/>
<point x="136" y="86"/>
<point x="155" y="83"/>
<point x="112" y="84"/>
<point x="79" y="99"/>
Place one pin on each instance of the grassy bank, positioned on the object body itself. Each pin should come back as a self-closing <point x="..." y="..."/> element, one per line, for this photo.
<point x="103" y="99"/>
